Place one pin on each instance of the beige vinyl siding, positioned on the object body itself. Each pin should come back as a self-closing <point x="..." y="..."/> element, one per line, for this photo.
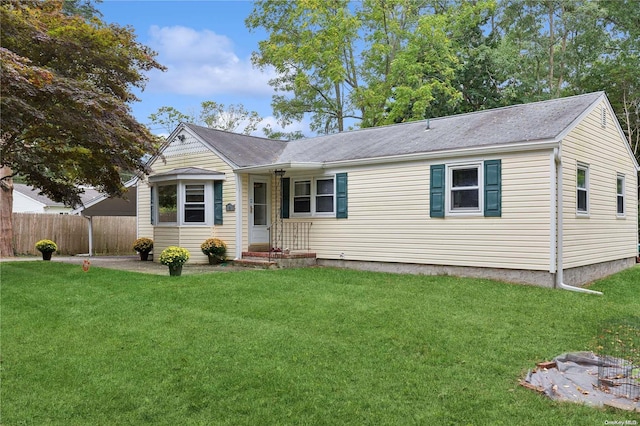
<point x="145" y="229"/>
<point x="389" y="219"/>
<point x="189" y="154"/>
<point x="602" y="235"/>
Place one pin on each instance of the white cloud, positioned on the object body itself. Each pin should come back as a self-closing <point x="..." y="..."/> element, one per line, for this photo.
<point x="202" y="63"/>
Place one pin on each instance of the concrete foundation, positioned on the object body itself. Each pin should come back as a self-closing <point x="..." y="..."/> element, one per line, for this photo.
<point x="585" y="274"/>
<point x="574" y="276"/>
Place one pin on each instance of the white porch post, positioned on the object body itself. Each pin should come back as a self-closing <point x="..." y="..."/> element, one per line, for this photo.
<point x="239" y="223"/>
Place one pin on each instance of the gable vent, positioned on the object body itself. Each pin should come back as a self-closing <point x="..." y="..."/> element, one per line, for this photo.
<point x="603" y="116"/>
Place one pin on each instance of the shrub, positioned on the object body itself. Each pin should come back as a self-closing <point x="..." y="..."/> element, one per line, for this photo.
<point x="143" y="245"/>
<point x="174" y="256"/>
<point x="46" y="246"/>
<point x="214" y="247"/>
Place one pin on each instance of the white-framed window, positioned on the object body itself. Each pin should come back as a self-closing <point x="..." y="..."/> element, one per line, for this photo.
<point x="620" y="195"/>
<point x="314" y="196"/>
<point x="302" y="196"/>
<point x="464" y="188"/>
<point x="167" y="203"/>
<point x="582" y="189"/>
<point x="184" y="203"/>
<point x="325" y="190"/>
<point x="194" y="204"/>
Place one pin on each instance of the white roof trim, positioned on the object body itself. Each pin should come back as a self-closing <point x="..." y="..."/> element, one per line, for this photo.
<point x="603" y="98"/>
<point x="268" y="168"/>
<point x="187" y="176"/>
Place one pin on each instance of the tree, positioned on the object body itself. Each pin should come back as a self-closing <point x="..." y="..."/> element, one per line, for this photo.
<point x="65" y="87"/>
<point x="311" y="45"/>
<point x="213" y="115"/>
<point x="373" y="63"/>
<point x="548" y="46"/>
<point x="555" y="48"/>
<point x="386" y="26"/>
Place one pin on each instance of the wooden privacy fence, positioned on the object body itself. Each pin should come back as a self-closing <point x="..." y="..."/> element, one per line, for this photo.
<point x="111" y="234"/>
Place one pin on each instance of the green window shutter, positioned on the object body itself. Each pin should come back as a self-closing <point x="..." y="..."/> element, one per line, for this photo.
<point x="285" y="191"/>
<point x="493" y="188"/>
<point x="436" y="191"/>
<point x="152" y="206"/>
<point x="341" y="196"/>
<point x="217" y="202"/>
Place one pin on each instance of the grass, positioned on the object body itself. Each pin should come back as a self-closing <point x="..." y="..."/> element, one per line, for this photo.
<point x="307" y="346"/>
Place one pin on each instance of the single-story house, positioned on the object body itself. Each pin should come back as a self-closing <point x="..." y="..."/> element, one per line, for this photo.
<point x="542" y="193"/>
<point x="27" y="199"/>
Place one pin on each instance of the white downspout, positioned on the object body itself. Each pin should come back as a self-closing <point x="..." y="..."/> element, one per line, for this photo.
<point x="90" y="235"/>
<point x="560" y="230"/>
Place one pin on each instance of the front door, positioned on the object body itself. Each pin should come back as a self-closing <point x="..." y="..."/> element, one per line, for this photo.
<point x="259" y="208"/>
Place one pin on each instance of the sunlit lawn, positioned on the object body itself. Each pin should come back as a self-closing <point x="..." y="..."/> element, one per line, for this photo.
<point x="306" y="346"/>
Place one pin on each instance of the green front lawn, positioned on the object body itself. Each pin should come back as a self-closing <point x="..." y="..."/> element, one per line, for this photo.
<point x="306" y="346"/>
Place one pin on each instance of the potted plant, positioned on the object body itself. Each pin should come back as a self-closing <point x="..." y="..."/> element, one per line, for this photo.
<point x="143" y="246"/>
<point x="46" y="247"/>
<point x="215" y="249"/>
<point x="174" y="257"/>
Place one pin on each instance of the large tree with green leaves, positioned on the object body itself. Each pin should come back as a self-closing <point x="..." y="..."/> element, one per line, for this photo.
<point x="311" y="45"/>
<point x="375" y="62"/>
<point x="555" y="48"/>
<point x="66" y="86"/>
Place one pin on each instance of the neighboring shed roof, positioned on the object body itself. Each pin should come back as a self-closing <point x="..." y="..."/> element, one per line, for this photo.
<point x="242" y="150"/>
<point x="544" y="121"/>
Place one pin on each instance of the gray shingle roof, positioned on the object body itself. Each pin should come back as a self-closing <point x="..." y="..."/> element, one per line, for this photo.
<point x="538" y="121"/>
<point x="242" y="150"/>
<point x="519" y="123"/>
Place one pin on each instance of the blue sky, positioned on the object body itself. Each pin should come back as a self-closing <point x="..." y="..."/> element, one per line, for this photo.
<point x="207" y="49"/>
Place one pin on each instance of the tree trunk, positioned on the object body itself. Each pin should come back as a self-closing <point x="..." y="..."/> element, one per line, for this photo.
<point x="6" y="210"/>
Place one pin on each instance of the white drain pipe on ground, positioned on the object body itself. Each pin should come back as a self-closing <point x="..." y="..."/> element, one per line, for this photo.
<point x="560" y="230"/>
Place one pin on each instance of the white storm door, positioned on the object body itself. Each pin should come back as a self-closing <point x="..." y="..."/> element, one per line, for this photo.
<point x="259" y="210"/>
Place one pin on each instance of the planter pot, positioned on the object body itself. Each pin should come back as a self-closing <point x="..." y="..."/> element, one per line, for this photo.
<point x="175" y="271"/>
<point x="214" y="260"/>
<point x="144" y="256"/>
<point x="46" y="255"/>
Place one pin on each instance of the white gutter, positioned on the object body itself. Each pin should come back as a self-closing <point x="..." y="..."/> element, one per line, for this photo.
<point x="269" y="168"/>
<point x="560" y="231"/>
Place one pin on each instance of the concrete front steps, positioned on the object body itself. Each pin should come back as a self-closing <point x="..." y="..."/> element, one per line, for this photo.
<point x="260" y="259"/>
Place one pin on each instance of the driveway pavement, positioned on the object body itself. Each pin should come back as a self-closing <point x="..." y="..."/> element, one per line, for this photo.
<point x="129" y="263"/>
